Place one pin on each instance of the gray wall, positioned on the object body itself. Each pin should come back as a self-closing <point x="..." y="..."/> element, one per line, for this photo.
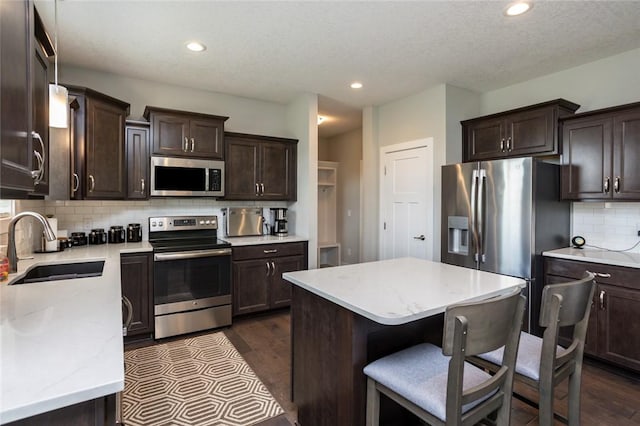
<point x="245" y="115"/>
<point x="611" y="81"/>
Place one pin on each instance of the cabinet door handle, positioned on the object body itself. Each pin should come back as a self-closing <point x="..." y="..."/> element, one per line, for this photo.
<point x="142" y="185"/>
<point x="257" y="189"/>
<point x="76" y="180"/>
<point x="92" y="186"/>
<point x="419" y="237"/>
<point x="502" y="145"/>
<point x="129" y="307"/>
<point x="38" y="175"/>
<point x="193" y="144"/>
<point x="185" y="147"/>
<point x="270" y="251"/>
<point x="273" y="269"/>
<point x="268" y="269"/>
<point x="509" y="144"/>
<point x="602" y="294"/>
<point x="616" y="184"/>
<point x="606" y="184"/>
<point x="262" y="189"/>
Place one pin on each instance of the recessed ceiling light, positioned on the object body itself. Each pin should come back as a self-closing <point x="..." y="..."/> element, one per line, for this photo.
<point x="195" y="46"/>
<point x="356" y="85"/>
<point x="518" y="8"/>
<point x="321" y="119"/>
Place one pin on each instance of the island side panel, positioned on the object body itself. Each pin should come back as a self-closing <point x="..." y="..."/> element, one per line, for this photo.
<point x="330" y="347"/>
<point x="322" y="361"/>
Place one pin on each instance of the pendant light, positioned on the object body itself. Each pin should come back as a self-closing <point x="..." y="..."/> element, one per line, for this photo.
<point x="58" y="95"/>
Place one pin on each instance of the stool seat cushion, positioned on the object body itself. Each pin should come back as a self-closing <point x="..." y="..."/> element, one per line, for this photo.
<point x="528" y="360"/>
<point x="420" y="373"/>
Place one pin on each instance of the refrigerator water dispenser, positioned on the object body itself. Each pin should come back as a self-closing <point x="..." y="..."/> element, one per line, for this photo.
<point x="458" y="235"/>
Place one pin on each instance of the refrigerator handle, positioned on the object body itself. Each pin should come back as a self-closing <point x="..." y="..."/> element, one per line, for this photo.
<point x="472" y="225"/>
<point x="480" y="214"/>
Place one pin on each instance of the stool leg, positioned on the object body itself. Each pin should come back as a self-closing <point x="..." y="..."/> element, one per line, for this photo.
<point x="373" y="403"/>
<point x="545" y="404"/>
<point x="574" y="398"/>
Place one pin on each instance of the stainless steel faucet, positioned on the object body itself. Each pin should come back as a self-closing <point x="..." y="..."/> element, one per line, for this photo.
<point x="11" y="243"/>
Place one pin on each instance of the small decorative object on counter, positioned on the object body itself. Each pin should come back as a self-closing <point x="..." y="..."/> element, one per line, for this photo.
<point x="116" y="235"/>
<point x="578" y="241"/>
<point x="98" y="236"/>
<point x="134" y="233"/>
<point x="65" y="243"/>
<point x="4" y="268"/>
<point x="78" y="239"/>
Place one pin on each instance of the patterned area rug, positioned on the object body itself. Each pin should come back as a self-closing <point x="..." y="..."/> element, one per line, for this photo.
<point x="196" y="382"/>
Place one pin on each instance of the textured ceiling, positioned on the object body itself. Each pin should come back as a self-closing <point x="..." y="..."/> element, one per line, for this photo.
<point x="276" y="50"/>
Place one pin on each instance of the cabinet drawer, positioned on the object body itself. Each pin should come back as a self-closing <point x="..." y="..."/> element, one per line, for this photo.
<point x="268" y="251"/>
<point x="617" y="275"/>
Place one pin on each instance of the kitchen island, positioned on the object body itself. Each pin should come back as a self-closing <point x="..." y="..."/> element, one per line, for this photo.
<point x="61" y="341"/>
<point x="344" y="317"/>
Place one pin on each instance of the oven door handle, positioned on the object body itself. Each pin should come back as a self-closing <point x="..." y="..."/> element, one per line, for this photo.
<point x="163" y="257"/>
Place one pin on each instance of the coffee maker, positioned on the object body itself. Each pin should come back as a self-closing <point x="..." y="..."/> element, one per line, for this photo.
<point x="279" y="221"/>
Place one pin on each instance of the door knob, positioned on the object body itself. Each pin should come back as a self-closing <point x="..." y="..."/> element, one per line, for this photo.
<point x="419" y="237"/>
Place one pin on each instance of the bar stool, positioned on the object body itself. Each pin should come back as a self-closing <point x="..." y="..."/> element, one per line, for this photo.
<point x="437" y="385"/>
<point x="541" y="363"/>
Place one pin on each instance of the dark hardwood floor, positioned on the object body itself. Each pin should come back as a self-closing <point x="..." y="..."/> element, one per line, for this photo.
<point x="608" y="398"/>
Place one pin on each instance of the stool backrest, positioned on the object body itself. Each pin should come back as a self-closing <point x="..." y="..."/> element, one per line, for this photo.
<point x="566" y="304"/>
<point x="475" y="328"/>
<point x="489" y="324"/>
<point x="575" y="299"/>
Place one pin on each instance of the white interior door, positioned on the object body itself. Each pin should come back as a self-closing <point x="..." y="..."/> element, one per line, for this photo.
<point x="406" y="197"/>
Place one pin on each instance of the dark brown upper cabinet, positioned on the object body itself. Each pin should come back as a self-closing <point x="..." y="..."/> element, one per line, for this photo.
<point x="137" y="149"/>
<point x="527" y="131"/>
<point x="601" y="153"/>
<point x="260" y="167"/>
<point x="23" y="102"/>
<point x="186" y="134"/>
<point x="98" y="166"/>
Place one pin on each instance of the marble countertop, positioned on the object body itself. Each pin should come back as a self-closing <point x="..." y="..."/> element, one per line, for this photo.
<point x="630" y="260"/>
<point x="263" y="239"/>
<point x="61" y="341"/>
<point x="399" y="291"/>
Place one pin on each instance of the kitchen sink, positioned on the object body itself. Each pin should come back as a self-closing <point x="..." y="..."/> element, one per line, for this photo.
<point x="65" y="271"/>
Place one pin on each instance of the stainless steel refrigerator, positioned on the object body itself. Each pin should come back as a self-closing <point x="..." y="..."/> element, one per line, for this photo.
<point x="499" y="216"/>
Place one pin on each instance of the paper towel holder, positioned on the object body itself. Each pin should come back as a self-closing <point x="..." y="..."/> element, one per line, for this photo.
<point x="50" y="246"/>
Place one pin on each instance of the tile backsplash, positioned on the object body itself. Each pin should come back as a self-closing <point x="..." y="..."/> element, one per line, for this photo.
<point x="83" y="216"/>
<point x="612" y="226"/>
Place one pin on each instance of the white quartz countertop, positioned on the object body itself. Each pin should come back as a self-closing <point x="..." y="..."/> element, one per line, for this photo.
<point x="630" y="260"/>
<point x="263" y="239"/>
<point x="399" y="291"/>
<point x="61" y="341"/>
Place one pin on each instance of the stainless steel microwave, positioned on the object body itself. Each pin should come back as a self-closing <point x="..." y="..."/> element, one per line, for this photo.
<point x="186" y="177"/>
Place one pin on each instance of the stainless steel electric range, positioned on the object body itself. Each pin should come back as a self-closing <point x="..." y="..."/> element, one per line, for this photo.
<point x="191" y="275"/>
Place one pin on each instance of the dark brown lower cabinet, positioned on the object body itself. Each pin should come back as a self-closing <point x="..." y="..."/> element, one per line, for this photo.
<point x="257" y="275"/>
<point x="614" y="324"/>
<point x="95" y="412"/>
<point x="136" y="277"/>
